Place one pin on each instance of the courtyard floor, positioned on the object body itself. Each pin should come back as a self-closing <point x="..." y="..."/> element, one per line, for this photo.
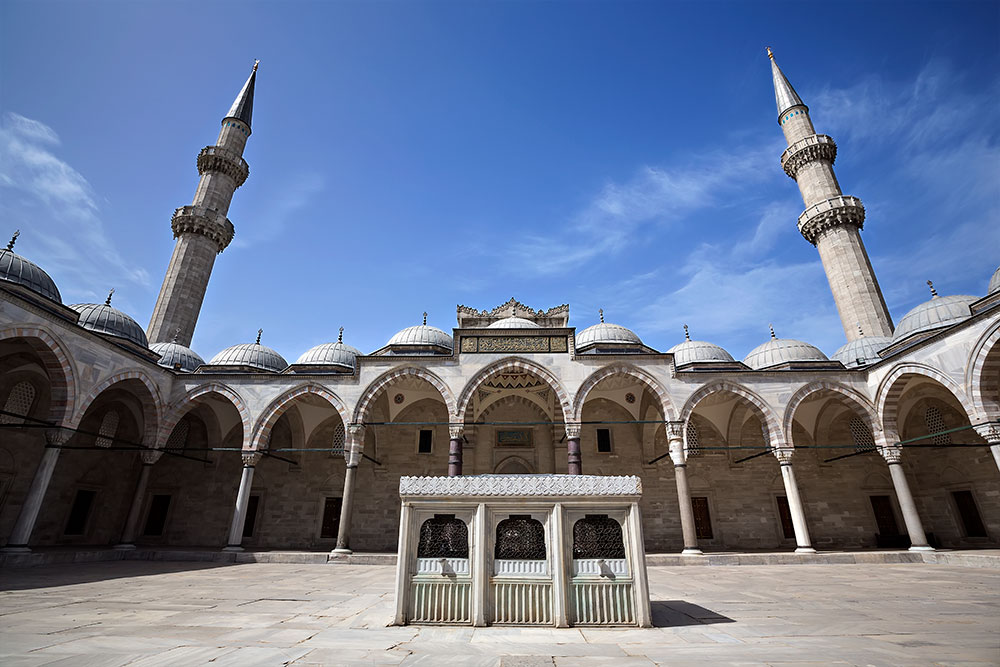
<point x="160" y="613"/>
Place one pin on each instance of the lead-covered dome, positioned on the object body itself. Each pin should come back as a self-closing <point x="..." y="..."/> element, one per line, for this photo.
<point x="422" y="336"/>
<point x="994" y="282"/>
<point x="331" y="354"/>
<point x="176" y="356"/>
<point x="513" y="323"/>
<point x="251" y="355"/>
<point x="940" y="311"/>
<point x="605" y="333"/>
<point x="103" y="319"/>
<point x="861" y="351"/>
<point x="696" y="351"/>
<point x="20" y="271"/>
<point x="779" y="351"/>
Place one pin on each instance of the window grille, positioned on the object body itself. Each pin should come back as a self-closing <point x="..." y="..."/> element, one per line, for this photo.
<point x="520" y="538"/>
<point x="935" y="424"/>
<point x="179" y="438"/>
<point x="19" y="401"/>
<point x="109" y="427"/>
<point x="598" y="536"/>
<point x="444" y="536"/>
<point x="693" y="447"/>
<point x="862" y="435"/>
<point x="338" y="439"/>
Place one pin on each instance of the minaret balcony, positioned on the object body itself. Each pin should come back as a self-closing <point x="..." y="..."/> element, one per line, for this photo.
<point x="835" y="211"/>
<point x="217" y="159"/>
<point x="812" y="148"/>
<point x="204" y="221"/>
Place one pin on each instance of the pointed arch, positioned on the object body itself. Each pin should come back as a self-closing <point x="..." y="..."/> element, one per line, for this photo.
<point x="58" y="366"/>
<point x="184" y="405"/>
<point x="379" y="383"/>
<point x="983" y="361"/>
<point x="774" y="430"/>
<point x="849" y="395"/>
<point x="666" y="405"/>
<point x="890" y="390"/>
<point x="516" y="364"/>
<point x="152" y="406"/>
<point x="274" y="410"/>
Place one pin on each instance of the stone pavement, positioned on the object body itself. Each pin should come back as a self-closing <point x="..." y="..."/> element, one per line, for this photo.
<point x="156" y="613"/>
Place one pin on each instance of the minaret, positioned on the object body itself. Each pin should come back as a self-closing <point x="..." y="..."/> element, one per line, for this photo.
<point x="202" y="229"/>
<point x="832" y="221"/>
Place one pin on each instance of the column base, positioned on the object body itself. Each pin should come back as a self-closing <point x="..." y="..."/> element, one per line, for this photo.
<point x="341" y="551"/>
<point x="692" y="551"/>
<point x="233" y="547"/>
<point x="805" y="550"/>
<point x="16" y="549"/>
<point x="926" y="547"/>
<point x="124" y="547"/>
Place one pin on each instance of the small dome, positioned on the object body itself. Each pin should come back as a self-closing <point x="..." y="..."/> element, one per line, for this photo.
<point x="513" y="323"/>
<point x="254" y="355"/>
<point x="330" y="354"/>
<point x="994" y="282"/>
<point x="16" y="269"/>
<point x="422" y="335"/>
<point x="782" y="350"/>
<point x="177" y="356"/>
<point x="693" y="351"/>
<point x="939" y="312"/>
<point x="102" y="318"/>
<point x="861" y="351"/>
<point x="604" y="332"/>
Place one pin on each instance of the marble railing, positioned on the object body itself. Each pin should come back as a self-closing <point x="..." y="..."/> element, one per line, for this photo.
<point x="522" y="602"/>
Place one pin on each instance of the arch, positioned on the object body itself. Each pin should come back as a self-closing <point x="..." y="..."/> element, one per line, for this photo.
<point x="379" y="383"/>
<point x="152" y="410"/>
<point x="513" y="364"/>
<point x="890" y="390"/>
<point x="984" y="359"/>
<point x="514" y="461"/>
<point x="270" y="414"/>
<point x="775" y="432"/>
<point x="58" y="366"/>
<point x="848" y="394"/>
<point x="181" y="407"/>
<point x="666" y="405"/>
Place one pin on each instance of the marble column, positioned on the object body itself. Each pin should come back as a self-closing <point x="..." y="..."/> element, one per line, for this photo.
<point x="18" y="541"/>
<point x="455" y="433"/>
<point x="894" y="457"/>
<point x="561" y="572"/>
<point x="353" y="455"/>
<point x="675" y="438"/>
<point x="132" y="522"/>
<point x="574" y="461"/>
<point x="803" y="545"/>
<point x="991" y="434"/>
<point x="250" y="461"/>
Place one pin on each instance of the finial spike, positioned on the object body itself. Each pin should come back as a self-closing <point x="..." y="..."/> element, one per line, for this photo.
<point x="601" y="313"/>
<point x="259" y="332"/>
<point x="687" y="334"/>
<point x="934" y="293"/>
<point x="107" y="301"/>
<point x="425" y="318"/>
<point x="255" y="63"/>
<point x="771" y="326"/>
<point x="770" y="54"/>
<point x="340" y="336"/>
<point x="861" y="332"/>
<point x="13" y="239"/>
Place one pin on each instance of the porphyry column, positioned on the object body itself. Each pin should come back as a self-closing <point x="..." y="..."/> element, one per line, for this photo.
<point x="455" y="450"/>
<point x="831" y="221"/>
<point x="202" y="229"/>
<point x="574" y="459"/>
<point x="678" y="455"/>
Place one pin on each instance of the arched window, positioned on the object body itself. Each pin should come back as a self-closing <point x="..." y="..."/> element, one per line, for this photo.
<point x="179" y="438"/>
<point x="19" y="402"/>
<point x="520" y="538"/>
<point x="935" y="424"/>
<point x="862" y="435"/>
<point x="598" y="536"/>
<point x="109" y="427"/>
<point x="444" y="536"/>
<point x="693" y="448"/>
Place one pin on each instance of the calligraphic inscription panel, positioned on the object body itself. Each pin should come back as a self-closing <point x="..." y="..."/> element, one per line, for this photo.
<point x="485" y="344"/>
<point x="514" y="437"/>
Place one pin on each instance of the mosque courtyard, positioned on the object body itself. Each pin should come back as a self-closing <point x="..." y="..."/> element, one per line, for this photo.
<point x="168" y="613"/>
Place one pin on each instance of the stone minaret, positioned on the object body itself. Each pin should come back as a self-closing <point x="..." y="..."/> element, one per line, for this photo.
<point x="832" y="221"/>
<point x="202" y="229"/>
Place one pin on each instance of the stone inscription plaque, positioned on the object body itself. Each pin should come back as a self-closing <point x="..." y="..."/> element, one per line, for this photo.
<point x="483" y="344"/>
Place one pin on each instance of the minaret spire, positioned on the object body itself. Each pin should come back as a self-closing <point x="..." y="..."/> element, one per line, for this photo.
<point x="832" y="221"/>
<point x="242" y="108"/>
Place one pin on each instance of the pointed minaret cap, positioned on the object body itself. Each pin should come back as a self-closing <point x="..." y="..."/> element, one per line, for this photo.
<point x="784" y="95"/>
<point x="242" y="108"/>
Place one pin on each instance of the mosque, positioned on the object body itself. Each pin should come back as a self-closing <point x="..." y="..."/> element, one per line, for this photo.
<point x="112" y="435"/>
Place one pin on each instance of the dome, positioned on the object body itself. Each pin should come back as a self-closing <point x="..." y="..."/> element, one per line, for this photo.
<point x="177" y="356"/>
<point x="513" y="323"/>
<point x="693" y="351"/>
<point x="331" y="354"/>
<point x="994" y="282"/>
<point x="103" y="319"/>
<point x="18" y="270"/>
<point x="939" y="312"/>
<point x="422" y="335"/>
<point x="861" y="351"/>
<point x="604" y="333"/>
<point x="780" y="351"/>
<point x="254" y="355"/>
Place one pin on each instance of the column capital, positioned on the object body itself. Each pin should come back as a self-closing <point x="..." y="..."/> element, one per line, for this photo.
<point x="573" y="430"/>
<point x="456" y="431"/>
<point x="151" y="456"/>
<point x="989" y="432"/>
<point x="251" y="459"/>
<point x="677" y="452"/>
<point x="892" y="454"/>
<point x="675" y="430"/>
<point x="784" y="455"/>
<point x="55" y="437"/>
<point x="356" y="431"/>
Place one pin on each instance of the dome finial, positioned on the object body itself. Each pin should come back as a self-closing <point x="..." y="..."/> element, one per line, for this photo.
<point x="425" y="318"/>
<point x="934" y="293"/>
<point x="861" y="332"/>
<point x="340" y="336"/>
<point x="770" y="54"/>
<point x="771" y="327"/>
<point x="177" y="335"/>
<point x="13" y="239"/>
<point x="107" y="301"/>
<point x="687" y="334"/>
<point x="259" y="332"/>
<point x="600" y="312"/>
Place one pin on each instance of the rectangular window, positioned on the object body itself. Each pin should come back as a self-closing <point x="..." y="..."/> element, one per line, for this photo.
<point x="426" y="439"/>
<point x="251" y="522"/>
<point x="967" y="510"/>
<point x="702" y="518"/>
<point x="77" y="522"/>
<point x="604" y="440"/>
<point x="156" y="520"/>
<point x="785" y="516"/>
<point x="885" y="518"/>
<point x="331" y="518"/>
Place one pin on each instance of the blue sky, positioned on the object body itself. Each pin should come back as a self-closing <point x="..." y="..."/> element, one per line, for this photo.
<point x="412" y="156"/>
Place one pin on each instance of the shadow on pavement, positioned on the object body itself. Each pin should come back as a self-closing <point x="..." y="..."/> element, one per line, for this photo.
<point x="69" y="574"/>
<point x="675" y="613"/>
